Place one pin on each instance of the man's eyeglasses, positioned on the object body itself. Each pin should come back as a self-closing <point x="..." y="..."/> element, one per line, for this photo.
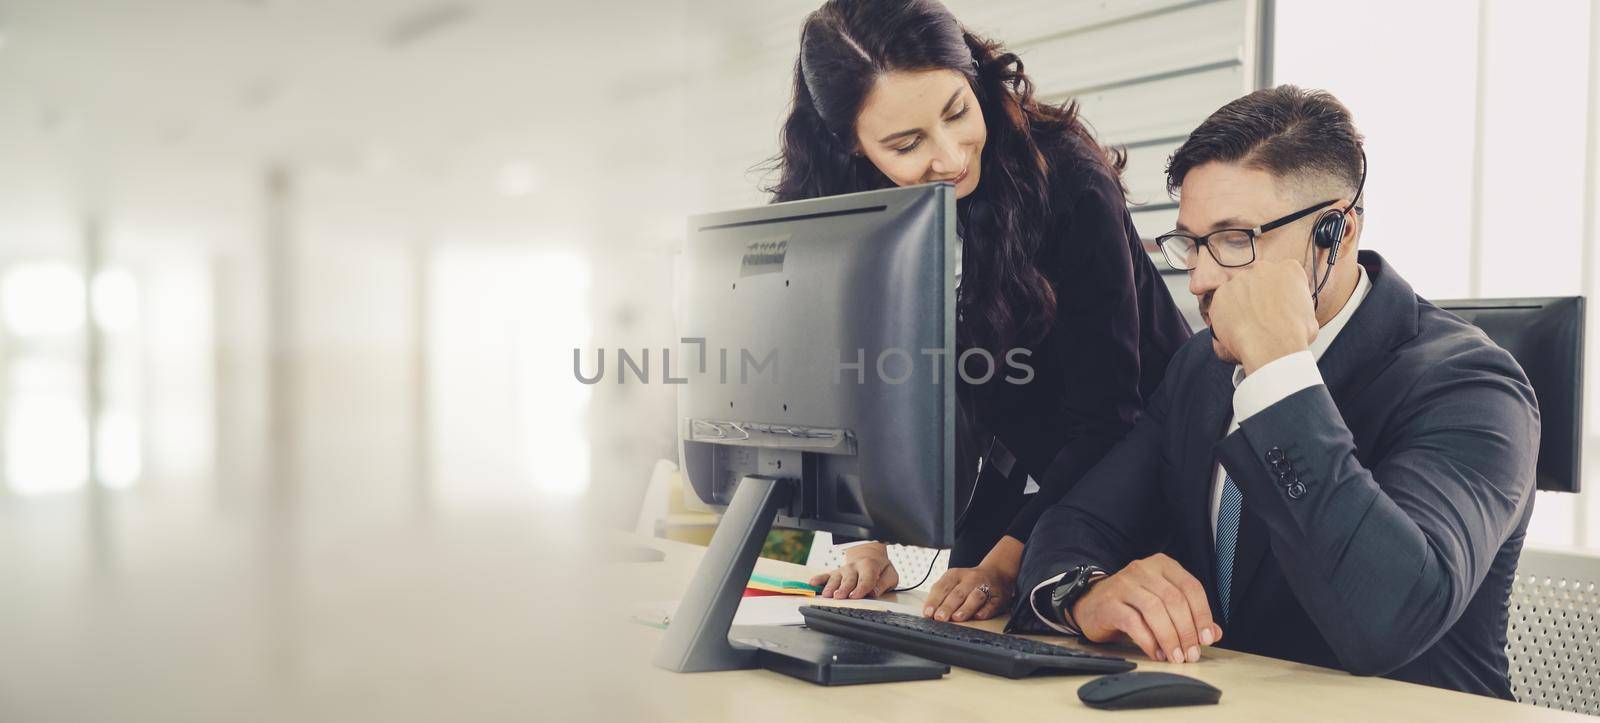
<point x="1229" y="247"/>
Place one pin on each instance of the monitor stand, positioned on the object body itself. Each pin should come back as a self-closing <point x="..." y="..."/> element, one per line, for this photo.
<point x="697" y="636"/>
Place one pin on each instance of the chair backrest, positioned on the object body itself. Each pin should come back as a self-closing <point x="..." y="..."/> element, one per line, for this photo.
<point x="911" y="562"/>
<point x="1553" y="640"/>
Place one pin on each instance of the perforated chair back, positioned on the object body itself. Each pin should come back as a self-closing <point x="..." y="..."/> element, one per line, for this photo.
<point x="911" y="562"/>
<point x="1553" y="640"/>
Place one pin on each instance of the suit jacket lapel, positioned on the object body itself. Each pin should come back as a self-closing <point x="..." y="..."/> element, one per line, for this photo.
<point x="1213" y="408"/>
<point x="1251" y="546"/>
<point x="1247" y="556"/>
<point x="1386" y="319"/>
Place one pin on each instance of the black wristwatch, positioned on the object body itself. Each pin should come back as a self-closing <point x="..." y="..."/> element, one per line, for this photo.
<point x="1065" y="592"/>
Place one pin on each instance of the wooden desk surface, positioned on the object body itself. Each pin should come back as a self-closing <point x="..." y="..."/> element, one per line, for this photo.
<point x="189" y="614"/>
<point x="1254" y="688"/>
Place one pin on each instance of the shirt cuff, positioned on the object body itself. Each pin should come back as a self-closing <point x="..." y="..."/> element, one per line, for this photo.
<point x="1048" y="619"/>
<point x="1273" y="383"/>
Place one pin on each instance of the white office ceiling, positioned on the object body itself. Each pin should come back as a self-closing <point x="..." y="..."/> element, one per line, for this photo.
<point x="109" y="98"/>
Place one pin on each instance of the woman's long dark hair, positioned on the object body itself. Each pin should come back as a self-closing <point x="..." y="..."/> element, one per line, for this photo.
<point x="844" y="47"/>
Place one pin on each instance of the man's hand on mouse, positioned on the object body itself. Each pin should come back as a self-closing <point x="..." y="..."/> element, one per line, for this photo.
<point x="1153" y="602"/>
<point x="1264" y="313"/>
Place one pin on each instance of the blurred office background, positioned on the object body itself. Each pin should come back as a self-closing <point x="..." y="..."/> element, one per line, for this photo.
<point x="270" y="266"/>
<point x="266" y="260"/>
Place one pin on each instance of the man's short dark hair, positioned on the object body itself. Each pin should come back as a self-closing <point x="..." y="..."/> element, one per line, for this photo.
<point x="1285" y="131"/>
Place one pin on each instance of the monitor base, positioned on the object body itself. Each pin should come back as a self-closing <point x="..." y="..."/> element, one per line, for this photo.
<point x="701" y="636"/>
<point x="827" y="659"/>
<point x="697" y="638"/>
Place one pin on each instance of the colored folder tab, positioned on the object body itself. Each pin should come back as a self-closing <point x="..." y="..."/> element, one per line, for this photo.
<point x="784" y="587"/>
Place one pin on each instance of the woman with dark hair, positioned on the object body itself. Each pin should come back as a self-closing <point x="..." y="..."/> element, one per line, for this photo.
<point x="897" y="92"/>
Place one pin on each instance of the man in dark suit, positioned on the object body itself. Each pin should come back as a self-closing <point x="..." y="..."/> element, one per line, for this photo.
<point x="1337" y="472"/>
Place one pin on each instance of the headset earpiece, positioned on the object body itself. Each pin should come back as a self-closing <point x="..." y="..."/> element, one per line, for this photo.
<point x="1327" y="234"/>
<point x="1329" y="230"/>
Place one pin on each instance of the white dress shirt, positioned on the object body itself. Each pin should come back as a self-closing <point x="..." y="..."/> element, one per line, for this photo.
<point x="1272" y="383"/>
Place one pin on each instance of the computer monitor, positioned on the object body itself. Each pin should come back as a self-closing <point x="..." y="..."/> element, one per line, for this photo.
<point x="816" y="385"/>
<point x="1545" y="335"/>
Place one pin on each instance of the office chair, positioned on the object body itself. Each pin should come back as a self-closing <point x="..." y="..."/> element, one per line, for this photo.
<point x="1553" y="640"/>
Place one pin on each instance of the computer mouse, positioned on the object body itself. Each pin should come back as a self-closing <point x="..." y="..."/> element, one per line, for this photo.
<point x="1146" y="690"/>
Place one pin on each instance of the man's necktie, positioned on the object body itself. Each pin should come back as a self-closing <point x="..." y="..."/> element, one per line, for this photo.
<point x="1227" y="539"/>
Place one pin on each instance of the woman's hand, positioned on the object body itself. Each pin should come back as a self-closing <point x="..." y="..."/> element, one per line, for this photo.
<point x="866" y="572"/>
<point x="970" y="593"/>
<point x="977" y="593"/>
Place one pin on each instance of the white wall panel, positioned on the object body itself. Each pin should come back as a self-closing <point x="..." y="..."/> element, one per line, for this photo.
<point x="1188" y="37"/>
<point x="1164" y="108"/>
<point x="1153" y="220"/>
<point x="1146" y="174"/>
<point x="1020" y="22"/>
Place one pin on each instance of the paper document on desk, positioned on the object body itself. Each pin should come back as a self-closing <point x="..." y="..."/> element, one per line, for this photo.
<point x="778" y="610"/>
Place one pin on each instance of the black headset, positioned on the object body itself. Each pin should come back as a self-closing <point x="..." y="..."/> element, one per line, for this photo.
<point x="1328" y="232"/>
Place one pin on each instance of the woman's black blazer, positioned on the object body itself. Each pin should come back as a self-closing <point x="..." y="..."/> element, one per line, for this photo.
<point x="1115" y="329"/>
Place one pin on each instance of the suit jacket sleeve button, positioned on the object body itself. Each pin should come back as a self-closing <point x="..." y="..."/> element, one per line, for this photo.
<point x="1296" y="490"/>
<point x="1274" y="455"/>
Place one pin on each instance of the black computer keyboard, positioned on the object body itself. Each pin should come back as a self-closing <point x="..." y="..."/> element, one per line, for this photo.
<point x="1006" y="655"/>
